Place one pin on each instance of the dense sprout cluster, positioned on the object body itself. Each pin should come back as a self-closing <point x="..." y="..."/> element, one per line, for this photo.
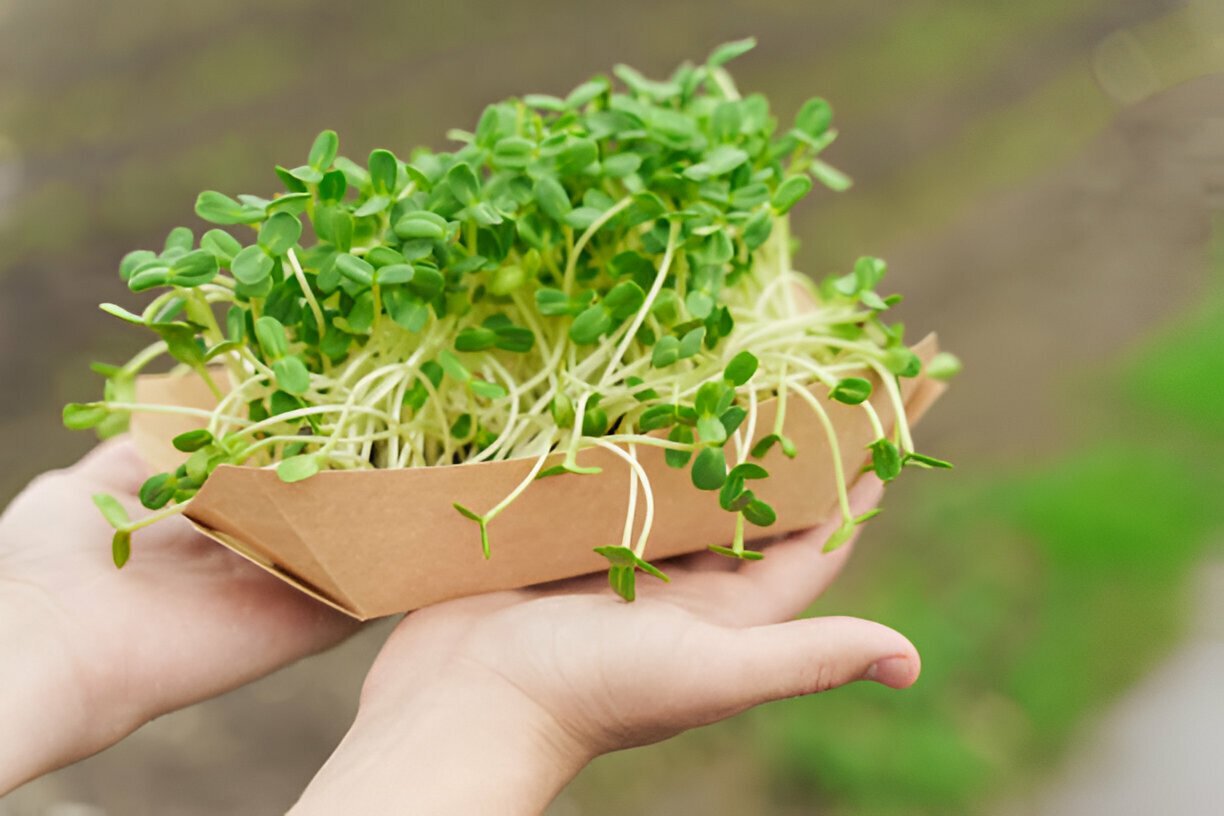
<point x="609" y="269"/>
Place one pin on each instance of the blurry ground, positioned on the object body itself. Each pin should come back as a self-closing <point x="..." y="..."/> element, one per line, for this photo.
<point x="1159" y="749"/>
<point x="1046" y="239"/>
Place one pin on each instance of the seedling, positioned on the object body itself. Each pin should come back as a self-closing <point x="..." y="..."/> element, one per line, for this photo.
<point x="611" y="269"/>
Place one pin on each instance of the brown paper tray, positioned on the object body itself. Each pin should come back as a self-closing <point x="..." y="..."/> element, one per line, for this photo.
<point x="376" y="542"/>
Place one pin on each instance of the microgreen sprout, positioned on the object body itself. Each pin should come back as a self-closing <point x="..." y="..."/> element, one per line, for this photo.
<point x="611" y="269"/>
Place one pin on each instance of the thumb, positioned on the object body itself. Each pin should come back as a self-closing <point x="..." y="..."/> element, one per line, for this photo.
<point x="758" y="664"/>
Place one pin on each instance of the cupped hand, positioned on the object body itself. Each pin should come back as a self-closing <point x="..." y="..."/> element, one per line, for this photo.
<point x="184" y="620"/>
<point x="569" y="671"/>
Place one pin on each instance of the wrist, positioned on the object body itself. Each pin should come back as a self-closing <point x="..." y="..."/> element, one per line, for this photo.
<point x="40" y="715"/>
<point x="452" y="747"/>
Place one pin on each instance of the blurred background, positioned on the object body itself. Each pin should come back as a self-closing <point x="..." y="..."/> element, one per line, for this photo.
<point x="1046" y="179"/>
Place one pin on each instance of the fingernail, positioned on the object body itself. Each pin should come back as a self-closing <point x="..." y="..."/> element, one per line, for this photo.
<point x="891" y="671"/>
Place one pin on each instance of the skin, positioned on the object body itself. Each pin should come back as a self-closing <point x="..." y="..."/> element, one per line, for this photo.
<point x="481" y="705"/>
<point x="100" y="651"/>
<point x="492" y="704"/>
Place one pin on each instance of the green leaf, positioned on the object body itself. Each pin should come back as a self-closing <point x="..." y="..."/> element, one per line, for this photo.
<point x="279" y="233"/>
<point x="711" y="430"/>
<point x="134" y="260"/>
<point x="149" y="277"/>
<point x="252" y="266"/>
<point x="699" y="304"/>
<point x="594" y="420"/>
<point x="114" y="513"/>
<point x="709" y="469"/>
<point x="384" y="169"/>
<point x="868" y="272"/>
<point x="298" y="468"/>
<point x="515" y="338"/>
<point x="590" y="325"/>
<point x="157" y="491"/>
<point x="217" y="208"/>
<point x="292" y="203"/>
<point x="221" y="244"/>
<point x="624" y="564"/>
<point x="576" y="156"/>
<point x="453" y="368"/>
<point x="191" y="441"/>
<point x="407" y="310"/>
<point x="461" y="428"/>
<point x="885" y="459"/>
<point x="943" y="366"/>
<point x="851" y="391"/>
<point x="466" y="513"/>
<point x="421" y="224"/>
<point x="394" y="274"/>
<point x="748" y="470"/>
<point x="323" y="151"/>
<point x="830" y="176"/>
<point x="621" y="165"/>
<point x="690" y="344"/>
<point x="475" y="339"/>
<point x="814" y="117"/>
<point x="729" y="51"/>
<point x="479" y="519"/>
<point x="924" y="461"/>
<point x="121" y="548"/>
<point x="870" y="514"/>
<point x="624" y="299"/>
<point x="292" y="376"/>
<point x="741" y="368"/>
<point x="657" y="416"/>
<point x="194" y="269"/>
<point x="463" y="183"/>
<point x="665" y="352"/>
<point x="766" y="442"/>
<point x="552" y="198"/>
<point x="83" y="416"/>
<point x="303" y="175"/>
<point x="586" y="92"/>
<point x="732" y="418"/>
<point x="731" y="496"/>
<point x="789" y="193"/>
<point x="902" y="362"/>
<point x="757" y="231"/>
<point x="718" y="162"/>
<point x="356" y="269"/>
<point x="745" y="555"/>
<point x="179" y="241"/>
<point x="679" y="458"/>
<point x="488" y="390"/>
<point x="333" y="186"/>
<point x="122" y="314"/>
<point x="759" y="513"/>
<point x="840" y="536"/>
<point x="563" y="468"/>
<point x="270" y="335"/>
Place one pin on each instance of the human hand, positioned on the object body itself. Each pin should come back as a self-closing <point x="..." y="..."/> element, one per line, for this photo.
<point x="492" y="703"/>
<point x="91" y="652"/>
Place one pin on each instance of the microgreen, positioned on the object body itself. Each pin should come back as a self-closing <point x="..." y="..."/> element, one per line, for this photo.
<point x="610" y="268"/>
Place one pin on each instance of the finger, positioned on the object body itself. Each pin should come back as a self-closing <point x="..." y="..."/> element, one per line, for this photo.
<point x="115" y="465"/>
<point x="700" y="562"/>
<point x="747" y="667"/>
<point x="797" y="570"/>
<point x="794" y="572"/>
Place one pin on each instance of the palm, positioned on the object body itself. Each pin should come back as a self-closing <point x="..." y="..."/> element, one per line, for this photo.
<point x="613" y="674"/>
<point x="184" y="620"/>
